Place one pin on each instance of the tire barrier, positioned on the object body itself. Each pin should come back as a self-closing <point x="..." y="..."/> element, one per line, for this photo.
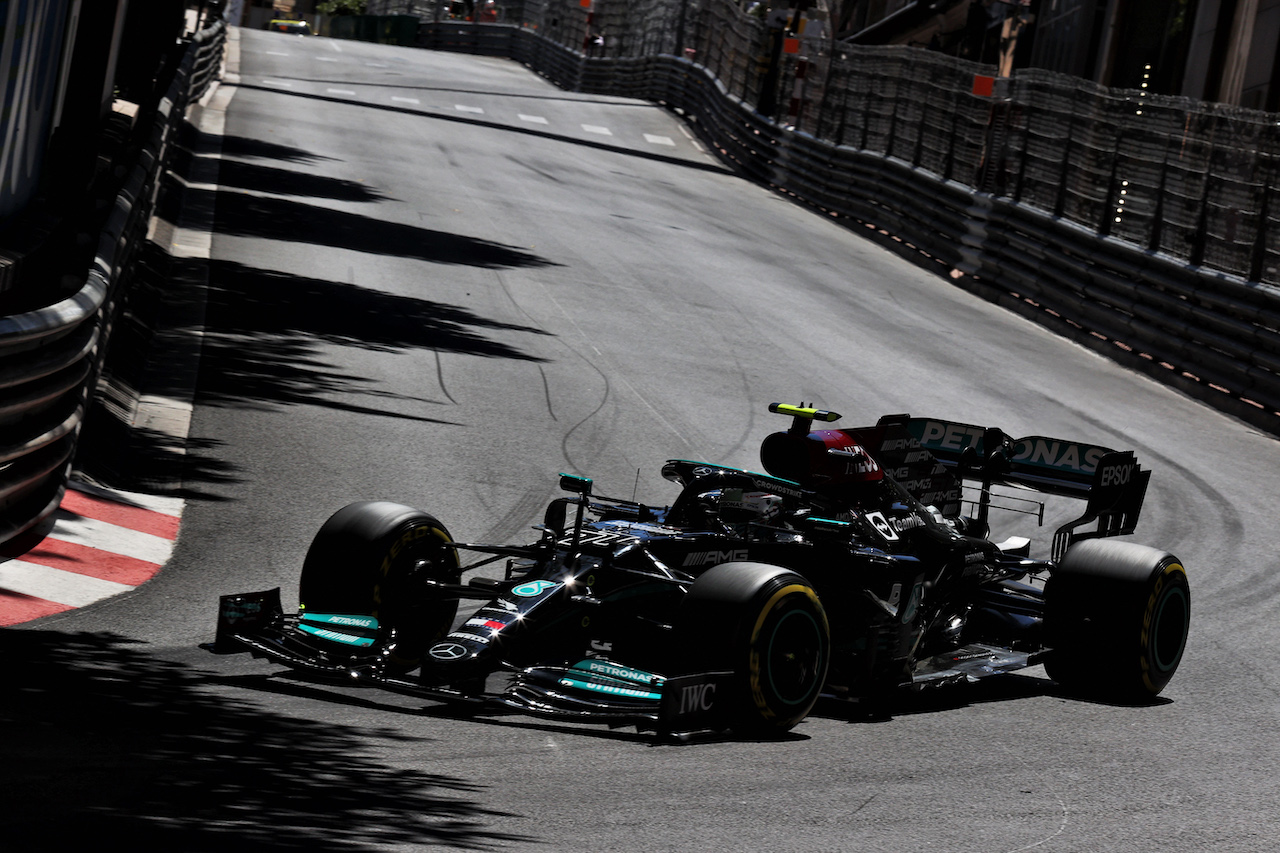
<point x="1212" y="333"/>
<point x="51" y="355"/>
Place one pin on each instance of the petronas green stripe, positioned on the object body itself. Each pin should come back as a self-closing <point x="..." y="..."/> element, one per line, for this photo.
<point x="611" y="690"/>
<point x="337" y="637"/>
<point x="342" y="620"/>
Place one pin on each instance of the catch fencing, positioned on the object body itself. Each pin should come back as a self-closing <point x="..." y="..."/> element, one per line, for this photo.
<point x="51" y="351"/>
<point x="1144" y="226"/>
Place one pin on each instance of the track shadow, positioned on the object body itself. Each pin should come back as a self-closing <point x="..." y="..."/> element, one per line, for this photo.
<point x="240" y="146"/>
<point x="258" y="333"/>
<point x="151" y="331"/>
<point x="260" y="346"/>
<point x="104" y="741"/>
<point x="267" y="302"/>
<point x="291" y="182"/>
<point x="264" y="329"/>
<point x="191" y="144"/>
<point x="289" y="220"/>
<point x="1005" y="688"/>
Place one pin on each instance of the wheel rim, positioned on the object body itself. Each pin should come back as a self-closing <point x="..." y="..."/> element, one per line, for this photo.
<point x="794" y="654"/>
<point x="1170" y="632"/>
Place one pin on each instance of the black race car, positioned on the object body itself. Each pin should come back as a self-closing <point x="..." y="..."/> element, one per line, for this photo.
<point x="854" y="568"/>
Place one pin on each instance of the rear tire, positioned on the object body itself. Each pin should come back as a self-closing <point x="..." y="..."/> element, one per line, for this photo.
<point x="372" y="558"/>
<point x="767" y="626"/>
<point x="1117" y="616"/>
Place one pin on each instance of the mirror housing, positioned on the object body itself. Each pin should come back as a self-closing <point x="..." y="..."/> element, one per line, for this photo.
<point x="575" y="484"/>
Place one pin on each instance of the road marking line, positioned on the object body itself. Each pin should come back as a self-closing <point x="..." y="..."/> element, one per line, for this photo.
<point x="659" y="140"/>
<point x="595" y="128"/>
<point x="462" y="108"/>
<point x="276" y="53"/>
<point x="189" y="243"/>
<point x="400" y="100"/>
<point x="340" y="91"/>
<point x="534" y="119"/>
<point x="327" y="59"/>
<point x="283" y="83"/>
<point x="166" y="415"/>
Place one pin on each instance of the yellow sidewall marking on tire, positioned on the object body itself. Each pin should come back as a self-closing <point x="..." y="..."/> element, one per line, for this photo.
<point x="1148" y="615"/>
<point x="410" y="535"/>
<point x="757" y="694"/>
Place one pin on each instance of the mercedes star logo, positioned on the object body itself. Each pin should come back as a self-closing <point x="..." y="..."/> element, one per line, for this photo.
<point x="448" y="651"/>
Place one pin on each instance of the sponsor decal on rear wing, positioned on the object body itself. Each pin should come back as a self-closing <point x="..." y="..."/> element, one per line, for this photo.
<point x="1052" y="465"/>
<point x="1112" y="482"/>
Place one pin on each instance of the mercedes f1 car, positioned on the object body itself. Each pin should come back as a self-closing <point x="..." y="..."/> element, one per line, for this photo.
<point x="859" y="565"/>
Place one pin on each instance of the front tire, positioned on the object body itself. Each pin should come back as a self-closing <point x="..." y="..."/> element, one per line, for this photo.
<point x="767" y="626"/>
<point x="373" y="558"/>
<point x="1117" y="616"/>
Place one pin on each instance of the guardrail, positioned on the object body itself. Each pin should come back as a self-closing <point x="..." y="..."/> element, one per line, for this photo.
<point x="50" y="356"/>
<point x="1212" y="334"/>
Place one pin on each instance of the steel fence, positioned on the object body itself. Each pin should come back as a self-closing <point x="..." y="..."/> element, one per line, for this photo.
<point x="1143" y="226"/>
<point x="51" y="353"/>
<point x="1189" y="179"/>
<point x="1186" y="178"/>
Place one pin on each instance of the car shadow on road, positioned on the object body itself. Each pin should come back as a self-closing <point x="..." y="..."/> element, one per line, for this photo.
<point x="107" y="742"/>
<point x="1009" y="687"/>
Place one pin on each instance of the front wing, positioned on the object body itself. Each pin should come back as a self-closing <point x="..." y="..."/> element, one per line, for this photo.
<point x="591" y="690"/>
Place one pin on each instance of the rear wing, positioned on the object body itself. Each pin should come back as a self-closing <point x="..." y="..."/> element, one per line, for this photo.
<point x="1111" y="482"/>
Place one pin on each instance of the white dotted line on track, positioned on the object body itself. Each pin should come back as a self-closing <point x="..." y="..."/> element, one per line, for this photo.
<point x="469" y="109"/>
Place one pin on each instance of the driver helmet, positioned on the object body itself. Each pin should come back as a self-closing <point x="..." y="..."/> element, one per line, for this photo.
<point x="825" y="457"/>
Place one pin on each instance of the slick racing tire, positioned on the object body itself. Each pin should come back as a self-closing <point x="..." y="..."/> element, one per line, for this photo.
<point x="766" y="625"/>
<point x="373" y="558"/>
<point x="1117" y="616"/>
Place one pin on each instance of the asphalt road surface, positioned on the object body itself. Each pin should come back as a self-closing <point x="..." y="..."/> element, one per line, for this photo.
<point x="440" y="280"/>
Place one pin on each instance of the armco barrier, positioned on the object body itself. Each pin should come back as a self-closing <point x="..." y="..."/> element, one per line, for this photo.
<point x="50" y="357"/>
<point x="1211" y="334"/>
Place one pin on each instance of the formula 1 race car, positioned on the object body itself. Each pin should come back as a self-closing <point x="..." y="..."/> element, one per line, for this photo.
<point x="849" y="570"/>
